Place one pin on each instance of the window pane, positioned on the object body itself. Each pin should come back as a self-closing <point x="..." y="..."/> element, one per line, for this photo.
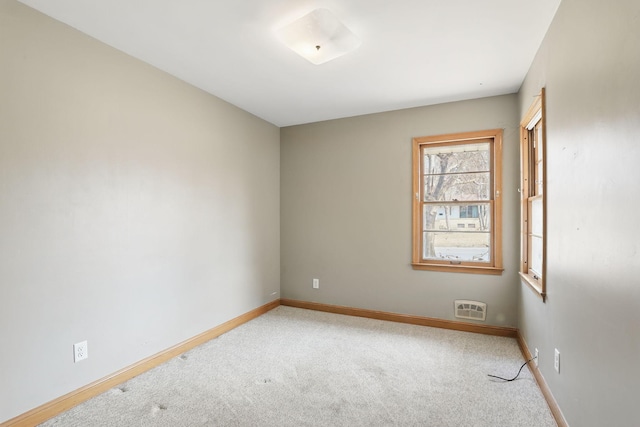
<point x="536" y="256"/>
<point x="458" y="158"/>
<point x="456" y="246"/>
<point x="457" y="232"/>
<point x="455" y="186"/>
<point x="536" y="216"/>
<point x="463" y="218"/>
<point x="538" y="137"/>
<point x="539" y="178"/>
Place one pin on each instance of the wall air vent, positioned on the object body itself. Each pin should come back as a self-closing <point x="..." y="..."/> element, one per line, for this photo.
<point x="474" y="310"/>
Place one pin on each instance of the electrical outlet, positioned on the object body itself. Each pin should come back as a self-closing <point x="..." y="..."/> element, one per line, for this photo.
<point x="556" y="361"/>
<point x="316" y="283"/>
<point x="80" y="351"/>
<point x="537" y="357"/>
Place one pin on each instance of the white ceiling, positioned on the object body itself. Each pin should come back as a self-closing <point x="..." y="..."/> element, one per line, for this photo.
<point x="413" y="52"/>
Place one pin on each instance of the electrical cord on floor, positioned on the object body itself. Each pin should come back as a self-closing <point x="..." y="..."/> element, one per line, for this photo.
<point x="523" y="365"/>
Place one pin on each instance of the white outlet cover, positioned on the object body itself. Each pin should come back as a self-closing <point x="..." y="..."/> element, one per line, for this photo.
<point x="556" y="361"/>
<point x="80" y="351"/>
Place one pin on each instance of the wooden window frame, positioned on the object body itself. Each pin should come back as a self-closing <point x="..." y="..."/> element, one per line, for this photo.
<point x="495" y="266"/>
<point x="528" y="193"/>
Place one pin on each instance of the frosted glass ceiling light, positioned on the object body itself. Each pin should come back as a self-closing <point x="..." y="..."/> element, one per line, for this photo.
<point x="318" y="37"/>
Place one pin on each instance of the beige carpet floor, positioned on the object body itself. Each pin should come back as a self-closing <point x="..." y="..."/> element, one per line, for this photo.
<point x="294" y="367"/>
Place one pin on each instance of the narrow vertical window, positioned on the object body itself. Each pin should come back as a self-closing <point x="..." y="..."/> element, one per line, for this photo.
<point x="457" y="202"/>
<point x="532" y="188"/>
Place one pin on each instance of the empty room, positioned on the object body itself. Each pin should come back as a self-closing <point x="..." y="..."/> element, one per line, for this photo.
<point x="319" y="212"/>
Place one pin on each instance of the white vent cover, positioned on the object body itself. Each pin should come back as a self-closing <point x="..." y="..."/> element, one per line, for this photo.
<point x="474" y="310"/>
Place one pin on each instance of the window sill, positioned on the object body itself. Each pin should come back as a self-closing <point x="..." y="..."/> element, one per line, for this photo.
<point x="472" y="269"/>
<point x="534" y="285"/>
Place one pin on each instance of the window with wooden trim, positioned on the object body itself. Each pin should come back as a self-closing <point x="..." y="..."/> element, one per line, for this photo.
<point x="533" y="198"/>
<point x="457" y="207"/>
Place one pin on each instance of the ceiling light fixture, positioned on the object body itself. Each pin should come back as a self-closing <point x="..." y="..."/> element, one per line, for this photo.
<point x="318" y="37"/>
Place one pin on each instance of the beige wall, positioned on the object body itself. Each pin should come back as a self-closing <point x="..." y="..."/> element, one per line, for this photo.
<point x="590" y="65"/>
<point x="346" y="212"/>
<point x="135" y="210"/>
